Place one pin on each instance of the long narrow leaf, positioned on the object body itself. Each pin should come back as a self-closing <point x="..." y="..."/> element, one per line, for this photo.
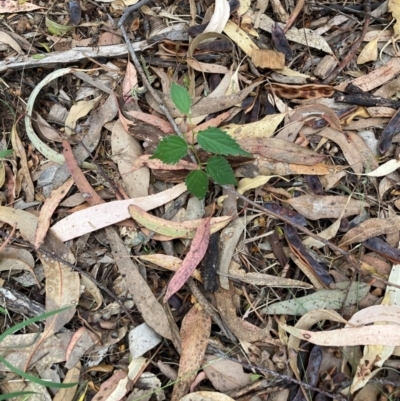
<point x="35" y="379"/>
<point x="21" y="325"/>
<point x="16" y="394"/>
<point x="192" y="259"/>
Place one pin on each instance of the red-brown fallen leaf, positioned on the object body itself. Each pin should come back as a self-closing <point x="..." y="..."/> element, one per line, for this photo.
<point x="81" y="341"/>
<point x="192" y="259"/>
<point x="195" y="333"/>
<point x="158" y="122"/>
<point x="92" y="197"/>
<point x="48" y="208"/>
<point x="129" y="83"/>
<point x="319" y="111"/>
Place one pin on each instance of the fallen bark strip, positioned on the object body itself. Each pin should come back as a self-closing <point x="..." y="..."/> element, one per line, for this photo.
<point x="70" y="56"/>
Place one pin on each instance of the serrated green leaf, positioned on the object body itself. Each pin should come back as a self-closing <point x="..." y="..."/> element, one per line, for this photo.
<point x="171" y="149"/>
<point x="181" y="98"/>
<point x="197" y="183"/>
<point x="217" y="141"/>
<point x="220" y="171"/>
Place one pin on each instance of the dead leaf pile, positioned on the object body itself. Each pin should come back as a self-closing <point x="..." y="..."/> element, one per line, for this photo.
<point x="284" y="287"/>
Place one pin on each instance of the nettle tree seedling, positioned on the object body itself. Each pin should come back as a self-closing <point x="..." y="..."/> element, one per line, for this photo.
<point x="213" y="140"/>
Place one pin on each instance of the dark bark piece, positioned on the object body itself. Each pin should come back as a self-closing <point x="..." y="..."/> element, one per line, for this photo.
<point x="383" y="248"/>
<point x="314" y="183"/>
<point x="280" y="41"/>
<point x="277" y="249"/>
<point x="367" y="101"/>
<point x="208" y="266"/>
<point x="20" y="303"/>
<point x="311" y="375"/>
<point x="288" y="213"/>
<point x="297" y="247"/>
<point x="389" y="132"/>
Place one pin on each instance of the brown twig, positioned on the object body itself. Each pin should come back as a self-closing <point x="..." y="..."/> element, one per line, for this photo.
<point x="354" y="47"/>
<point x="142" y="74"/>
<point x="294" y="14"/>
<point x="282" y="377"/>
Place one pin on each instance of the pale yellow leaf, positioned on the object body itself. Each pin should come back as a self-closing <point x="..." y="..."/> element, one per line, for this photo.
<point x="369" y="53"/>
<point x="244" y="7"/>
<point x="168" y="262"/>
<point x="79" y="110"/>
<point x="394" y="8"/>
<point x="264" y="128"/>
<point x="377" y="353"/>
<point x="240" y="37"/>
<point x="385" y="168"/>
<point x="250" y="183"/>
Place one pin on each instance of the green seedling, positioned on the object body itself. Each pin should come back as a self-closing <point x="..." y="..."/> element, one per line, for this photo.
<point x="213" y="140"/>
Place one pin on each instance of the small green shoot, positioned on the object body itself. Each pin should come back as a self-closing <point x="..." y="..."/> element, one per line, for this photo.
<point x="213" y="140"/>
<point x="181" y="98"/>
<point x="5" y="153"/>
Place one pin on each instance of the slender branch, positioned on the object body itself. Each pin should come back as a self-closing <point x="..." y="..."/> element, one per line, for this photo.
<point x="142" y="74"/>
<point x="282" y="377"/>
<point x="354" y="47"/>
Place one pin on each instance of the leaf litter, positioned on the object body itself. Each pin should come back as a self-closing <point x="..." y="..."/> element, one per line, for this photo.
<point x="97" y="231"/>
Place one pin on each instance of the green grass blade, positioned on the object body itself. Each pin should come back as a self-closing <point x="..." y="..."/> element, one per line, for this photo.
<point x="16" y="394"/>
<point x="35" y="379"/>
<point x="21" y="325"/>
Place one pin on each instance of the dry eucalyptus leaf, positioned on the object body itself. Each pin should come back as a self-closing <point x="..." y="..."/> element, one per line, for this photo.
<point x="316" y="207"/>
<point x="369" y="53"/>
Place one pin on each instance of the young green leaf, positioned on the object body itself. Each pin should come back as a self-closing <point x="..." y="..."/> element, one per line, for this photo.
<point x="220" y="171"/>
<point x="197" y="183"/>
<point x="181" y="98"/>
<point x="217" y="141"/>
<point x="6" y="153"/>
<point x="171" y="149"/>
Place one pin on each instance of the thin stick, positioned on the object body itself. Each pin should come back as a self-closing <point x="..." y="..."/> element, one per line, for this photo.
<point x="142" y="74"/>
<point x="353" y="49"/>
<point x="282" y="377"/>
